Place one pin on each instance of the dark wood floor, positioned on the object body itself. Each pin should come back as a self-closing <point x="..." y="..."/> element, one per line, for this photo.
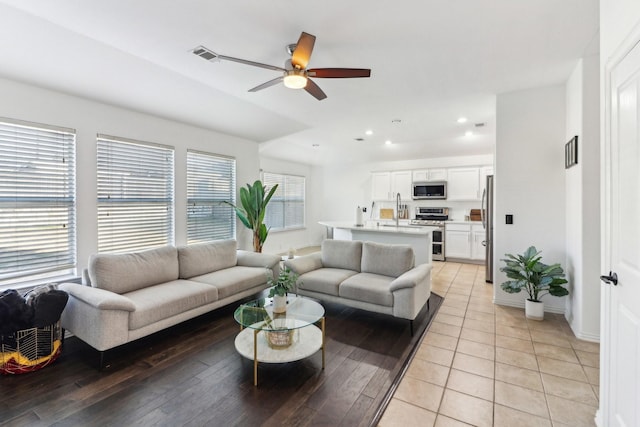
<point x="191" y="375"/>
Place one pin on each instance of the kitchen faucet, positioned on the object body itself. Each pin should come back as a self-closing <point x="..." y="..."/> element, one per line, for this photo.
<point x="397" y="209"/>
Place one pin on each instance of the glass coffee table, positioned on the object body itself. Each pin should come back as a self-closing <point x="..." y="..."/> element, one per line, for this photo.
<point x="269" y="337"/>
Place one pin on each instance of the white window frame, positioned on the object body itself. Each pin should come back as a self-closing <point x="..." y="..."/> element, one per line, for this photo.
<point x="37" y="203"/>
<point x="136" y="196"/>
<point x="211" y="179"/>
<point x="280" y="204"/>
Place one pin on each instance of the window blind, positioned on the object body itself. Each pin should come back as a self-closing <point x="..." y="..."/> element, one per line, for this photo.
<point x="135" y="195"/>
<point x="37" y="201"/>
<point x="211" y="179"/>
<point x="286" y="208"/>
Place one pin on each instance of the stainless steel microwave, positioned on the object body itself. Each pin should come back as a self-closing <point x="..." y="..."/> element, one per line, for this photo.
<point x="429" y="190"/>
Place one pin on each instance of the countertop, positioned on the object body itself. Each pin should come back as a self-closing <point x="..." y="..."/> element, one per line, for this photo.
<point x="382" y="228"/>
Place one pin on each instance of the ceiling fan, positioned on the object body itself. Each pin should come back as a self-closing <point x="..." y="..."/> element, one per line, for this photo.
<point x="295" y="74"/>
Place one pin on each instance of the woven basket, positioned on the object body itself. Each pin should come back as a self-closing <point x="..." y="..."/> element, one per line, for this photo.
<point x="29" y="350"/>
<point x="280" y="339"/>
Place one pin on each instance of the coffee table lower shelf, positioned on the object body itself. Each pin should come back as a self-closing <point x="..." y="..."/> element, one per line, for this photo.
<point x="252" y="344"/>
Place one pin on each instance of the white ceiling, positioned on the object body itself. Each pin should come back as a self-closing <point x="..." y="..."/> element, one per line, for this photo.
<point x="432" y="61"/>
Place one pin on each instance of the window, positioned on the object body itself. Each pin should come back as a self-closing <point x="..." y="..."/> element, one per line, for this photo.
<point x="37" y="202"/>
<point x="211" y="180"/>
<point x="286" y="209"/>
<point x="135" y="195"/>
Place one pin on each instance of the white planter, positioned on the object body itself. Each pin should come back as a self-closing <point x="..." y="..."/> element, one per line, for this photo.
<point x="279" y="304"/>
<point x="534" y="310"/>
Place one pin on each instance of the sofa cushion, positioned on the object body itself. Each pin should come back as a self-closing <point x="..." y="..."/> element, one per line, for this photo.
<point x="367" y="287"/>
<point x="121" y="273"/>
<point x="325" y="280"/>
<point x="203" y="258"/>
<point x="343" y="254"/>
<point x="385" y="259"/>
<point x="231" y="281"/>
<point x="165" y="300"/>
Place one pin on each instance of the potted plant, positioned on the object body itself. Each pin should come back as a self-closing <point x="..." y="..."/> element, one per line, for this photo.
<point x="280" y="286"/>
<point x="528" y="272"/>
<point x="254" y="199"/>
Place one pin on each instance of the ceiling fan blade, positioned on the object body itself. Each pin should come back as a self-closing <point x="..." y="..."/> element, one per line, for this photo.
<point x="339" y="73"/>
<point x="267" y="84"/>
<point x="304" y="47"/>
<point x="315" y="90"/>
<point x="252" y="63"/>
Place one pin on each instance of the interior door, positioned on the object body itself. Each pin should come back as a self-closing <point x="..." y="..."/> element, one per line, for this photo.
<point x="620" y="346"/>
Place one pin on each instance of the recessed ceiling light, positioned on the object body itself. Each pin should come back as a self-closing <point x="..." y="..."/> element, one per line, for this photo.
<point x="462" y="120"/>
<point x="388" y="142"/>
<point x="468" y="133"/>
<point x="369" y="132"/>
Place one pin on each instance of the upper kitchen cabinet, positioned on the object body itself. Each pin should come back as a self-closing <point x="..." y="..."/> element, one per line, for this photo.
<point x="429" y="175"/>
<point x="464" y="184"/>
<point x="385" y="185"/>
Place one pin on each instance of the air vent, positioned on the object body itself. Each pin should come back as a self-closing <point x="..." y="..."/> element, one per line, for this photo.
<point x="205" y="53"/>
<point x="359" y="139"/>
<point x="479" y="125"/>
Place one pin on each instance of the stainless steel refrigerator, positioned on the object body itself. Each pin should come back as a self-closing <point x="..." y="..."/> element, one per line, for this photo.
<point x="487" y="223"/>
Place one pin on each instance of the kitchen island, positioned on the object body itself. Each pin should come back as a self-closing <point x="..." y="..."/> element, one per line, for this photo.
<point x="418" y="237"/>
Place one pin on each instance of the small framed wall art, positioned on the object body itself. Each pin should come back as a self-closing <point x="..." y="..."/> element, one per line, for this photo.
<point x="571" y="152"/>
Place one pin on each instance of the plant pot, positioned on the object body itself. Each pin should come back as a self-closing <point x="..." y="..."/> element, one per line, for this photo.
<point x="279" y="304"/>
<point x="534" y="310"/>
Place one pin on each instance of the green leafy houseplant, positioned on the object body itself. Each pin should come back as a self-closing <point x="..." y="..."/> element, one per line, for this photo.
<point x="253" y="205"/>
<point x="528" y="272"/>
<point x="282" y="284"/>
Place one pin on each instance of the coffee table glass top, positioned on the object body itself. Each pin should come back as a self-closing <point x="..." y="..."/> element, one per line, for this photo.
<point x="258" y="314"/>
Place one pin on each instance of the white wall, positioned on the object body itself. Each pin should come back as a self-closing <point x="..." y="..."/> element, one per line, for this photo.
<point x="281" y="241"/>
<point x="529" y="182"/>
<point x="29" y="103"/>
<point x="583" y="200"/>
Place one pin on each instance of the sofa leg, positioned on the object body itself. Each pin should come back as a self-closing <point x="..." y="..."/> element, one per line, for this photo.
<point x="411" y="326"/>
<point x="101" y="366"/>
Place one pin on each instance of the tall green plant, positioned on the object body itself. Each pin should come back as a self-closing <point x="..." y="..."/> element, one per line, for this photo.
<point x="253" y="200"/>
<point x="528" y="272"/>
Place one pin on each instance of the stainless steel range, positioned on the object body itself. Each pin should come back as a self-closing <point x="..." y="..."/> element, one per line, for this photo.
<point x="433" y="217"/>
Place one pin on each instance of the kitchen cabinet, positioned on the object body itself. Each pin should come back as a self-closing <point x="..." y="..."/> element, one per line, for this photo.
<point x="478" y="236"/>
<point x="464" y="241"/>
<point x="401" y="183"/>
<point x="430" y="175"/>
<point x="380" y="185"/>
<point x="457" y="241"/>
<point x="385" y="185"/>
<point x="463" y="184"/>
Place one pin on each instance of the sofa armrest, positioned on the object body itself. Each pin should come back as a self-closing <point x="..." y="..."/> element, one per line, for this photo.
<point x="304" y="264"/>
<point x="98" y="298"/>
<point x="411" y="278"/>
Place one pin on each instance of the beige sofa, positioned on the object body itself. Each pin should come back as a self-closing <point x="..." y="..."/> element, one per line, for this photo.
<point x="365" y="275"/>
<point x="136" y="294"/>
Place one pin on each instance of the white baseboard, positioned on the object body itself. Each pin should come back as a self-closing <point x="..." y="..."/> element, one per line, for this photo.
<point x="520" y="304"/>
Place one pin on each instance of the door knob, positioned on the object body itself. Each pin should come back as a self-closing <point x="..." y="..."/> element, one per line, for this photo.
<point x="612" y="278"/>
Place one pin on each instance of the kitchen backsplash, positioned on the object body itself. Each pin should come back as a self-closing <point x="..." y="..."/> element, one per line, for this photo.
<point x="457" y="210"/>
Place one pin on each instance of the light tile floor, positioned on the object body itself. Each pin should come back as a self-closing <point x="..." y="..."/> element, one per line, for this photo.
<point x="482" y="364"/>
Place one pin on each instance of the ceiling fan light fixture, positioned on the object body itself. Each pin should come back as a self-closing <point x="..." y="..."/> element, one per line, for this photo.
<point x="295" y="79"/>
